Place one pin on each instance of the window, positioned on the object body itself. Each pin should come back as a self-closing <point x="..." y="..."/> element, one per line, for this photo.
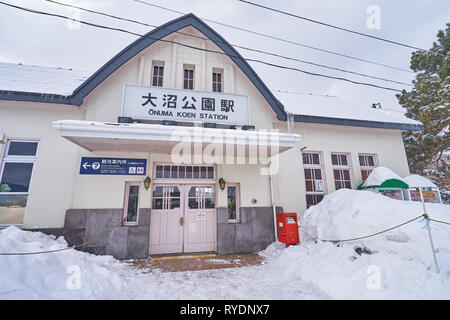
<point x="201" y="197"/>
<point x="184" y="172"/>
<point x="217" y="77"/>
<point x="233" y="202"/>
<point x="367" y="163"/>
<point x="188" y="78"/>
<point x="15" y="178"/>
<point x="166" y="197"/>
<point x="158" y="74"/>
<point x="341" y="170"/>
<point x="314" y="178"/>
<point x="131" y="202"/>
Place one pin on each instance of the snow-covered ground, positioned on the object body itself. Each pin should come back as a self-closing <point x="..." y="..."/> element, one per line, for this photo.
<point x="399" y="266"/>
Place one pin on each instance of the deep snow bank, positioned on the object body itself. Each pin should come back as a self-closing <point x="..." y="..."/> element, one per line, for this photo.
<point x="53" y="275"/>
<point x="401" y="263"/>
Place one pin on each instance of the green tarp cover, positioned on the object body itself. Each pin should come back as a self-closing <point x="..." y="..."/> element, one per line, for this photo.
<point x="390" y="183"/>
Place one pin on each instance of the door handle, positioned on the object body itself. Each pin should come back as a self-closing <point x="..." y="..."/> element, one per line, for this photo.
<point x="181" y="221"/>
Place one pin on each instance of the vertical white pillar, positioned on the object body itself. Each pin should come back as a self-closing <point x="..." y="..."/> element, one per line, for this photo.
<point x="173" y="66"/>
<point x="140" y="79"/>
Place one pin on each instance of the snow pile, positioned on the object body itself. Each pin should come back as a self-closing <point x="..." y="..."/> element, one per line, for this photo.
<point x="53" y="275"/>
<point x="48" y="276"/>
<point x="416" y="180"/>
<point x="394" y="265"/>
<point x="379" y="175"/>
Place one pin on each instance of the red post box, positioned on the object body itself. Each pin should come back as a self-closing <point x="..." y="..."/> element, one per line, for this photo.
<point x="287" y="228"/>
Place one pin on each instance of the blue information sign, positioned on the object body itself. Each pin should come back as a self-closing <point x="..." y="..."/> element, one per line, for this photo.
<point x="113" y="166"/>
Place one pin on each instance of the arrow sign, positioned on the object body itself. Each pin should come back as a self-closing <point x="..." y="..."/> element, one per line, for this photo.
<point x="86" y="165"/>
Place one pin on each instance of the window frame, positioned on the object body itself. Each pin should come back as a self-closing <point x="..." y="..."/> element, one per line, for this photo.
<point x="320" y="166"/>
<point x="220" y="72"/>
<point x="341" y="167"/>
<point x="189" y="67"/>
<point x="238" y="201"/>
<point x="5" y="158"/>
<point x="128" y="184"/>
<point x="158" y="64"/>
<point x="361" y="167"/>
<point x="181" y="180"/>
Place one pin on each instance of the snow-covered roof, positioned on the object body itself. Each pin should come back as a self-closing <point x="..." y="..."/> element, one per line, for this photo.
<point x="416" y="180"/>
<point x="36" y="79"/>
<point x="335" y="107"/>
<point x="380" y="175"/>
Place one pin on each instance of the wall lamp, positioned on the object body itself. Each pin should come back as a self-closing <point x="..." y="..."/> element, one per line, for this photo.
<point x="222" y="183"/>
<point x="147" y="182"/>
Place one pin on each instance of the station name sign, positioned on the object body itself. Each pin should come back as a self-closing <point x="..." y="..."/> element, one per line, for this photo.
<point x="155" y="103"/>
<point x="113" y="166"/>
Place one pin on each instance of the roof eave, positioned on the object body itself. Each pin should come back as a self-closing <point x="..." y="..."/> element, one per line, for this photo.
<point x="36" y="97"/>
<point x="358" y="123"/>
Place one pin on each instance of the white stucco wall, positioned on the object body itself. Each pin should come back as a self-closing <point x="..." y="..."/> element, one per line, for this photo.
<point x="53" y="177"/>
<point x="290" y="184"/>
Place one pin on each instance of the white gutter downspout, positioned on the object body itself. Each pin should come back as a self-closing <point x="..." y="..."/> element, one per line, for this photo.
<point x="273" y="203"/>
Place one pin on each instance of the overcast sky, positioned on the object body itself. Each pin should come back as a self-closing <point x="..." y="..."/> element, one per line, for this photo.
<point x="42" y="40"/>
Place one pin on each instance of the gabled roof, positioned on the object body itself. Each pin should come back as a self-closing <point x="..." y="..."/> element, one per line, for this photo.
<point x="62" y="94"/>
<point x="77" y="96"/>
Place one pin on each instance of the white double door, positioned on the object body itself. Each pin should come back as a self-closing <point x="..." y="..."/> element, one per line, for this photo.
<point x="183" y="218"/>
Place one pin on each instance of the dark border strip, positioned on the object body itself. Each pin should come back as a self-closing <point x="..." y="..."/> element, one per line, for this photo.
<point x="358" y="123"/>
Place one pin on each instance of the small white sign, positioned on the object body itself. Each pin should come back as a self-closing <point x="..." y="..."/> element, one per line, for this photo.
<point x="319" y="185"/>
<point x="201" y="215"/>
<point x="155" y="103"/>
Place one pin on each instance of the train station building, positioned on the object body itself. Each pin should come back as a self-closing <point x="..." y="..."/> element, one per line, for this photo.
<point x="175" y="146"/>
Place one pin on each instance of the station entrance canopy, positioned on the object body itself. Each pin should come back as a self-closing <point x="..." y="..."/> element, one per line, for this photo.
<point x="222" y="145"/>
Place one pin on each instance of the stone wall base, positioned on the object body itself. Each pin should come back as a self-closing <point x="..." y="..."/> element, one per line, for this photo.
<point x="254" y="232"/>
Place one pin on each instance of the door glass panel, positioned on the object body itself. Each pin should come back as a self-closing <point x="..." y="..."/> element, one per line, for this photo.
<point x="193" y="197"/>
<point x="174" y="193"/>
<point x="174" y="203"/>
<point x="193" y="192"/>
<point x="158" y="191"/>
<point x="193" y="203"/>
<point x="210" y="203"/>
<point x="157" y="203"/>
<point x="209" y="192"/>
